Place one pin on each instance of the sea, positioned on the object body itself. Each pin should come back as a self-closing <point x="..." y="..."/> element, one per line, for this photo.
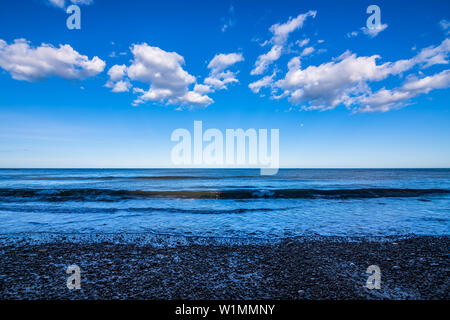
<point x="226" y="203"/>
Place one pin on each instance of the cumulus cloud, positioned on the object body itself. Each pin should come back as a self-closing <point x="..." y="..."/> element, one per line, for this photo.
<point x="160" y="68"/>
<point x="202" y="88"/>
<point x="264" y="60"/>
<point x="280" y="34"/>
<point x="116" y="75"/>
<point x="163" y="71"/>
<point x="373" y="32"/>
<point x="325" y="85"/>
<point x="169" y="82"/>
<point x="117" y="72"/>
<point x="345" y="79"/>
<point x="220" y="81"/>
<point x="384" y="100"/>
<point x="222" y="61"/>
<point x="28" y="63"/>
<point x="261" y="83"/>
<point x="119" y="86"/>
<point x="307" y="51"/>
<point x="281" y="31"/>
<point x="219" y="78"/>
<point x="434" y="55"/>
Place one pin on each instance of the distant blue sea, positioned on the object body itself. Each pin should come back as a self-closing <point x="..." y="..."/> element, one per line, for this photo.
<point x="226" y="202"/>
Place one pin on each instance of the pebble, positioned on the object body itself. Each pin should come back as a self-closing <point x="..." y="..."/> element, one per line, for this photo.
<point x="213" y="270"/>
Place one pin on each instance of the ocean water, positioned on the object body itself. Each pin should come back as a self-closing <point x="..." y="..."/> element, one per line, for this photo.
<point x="236" y="203"/>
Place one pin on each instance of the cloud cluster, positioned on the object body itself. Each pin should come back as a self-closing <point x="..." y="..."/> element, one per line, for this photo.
<point x="24" y="62"/>
<point x="162" y="70"/>
<point x="219" y="77"/>
<point x="169" y="82"/>
<point x="280" y="34"/>
<point x="344" y="81"/>
<point x="116" y="75"/>
<point x="384" y="100"/>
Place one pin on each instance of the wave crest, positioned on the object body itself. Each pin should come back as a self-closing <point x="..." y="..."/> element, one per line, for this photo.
<point x="116" y="195"/>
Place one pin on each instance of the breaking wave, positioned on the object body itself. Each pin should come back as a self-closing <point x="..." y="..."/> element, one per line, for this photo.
<point x="86" y="194"/>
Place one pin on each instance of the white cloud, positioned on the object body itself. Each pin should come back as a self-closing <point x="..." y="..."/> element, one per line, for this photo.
<point x="24" y="62"/>
<point x="222" y="61"/>
<point x="62" y="3"/>
<point x="261" y="83"/>
<point x="160" y="68"/>
<point x="280" y="34"/>
<point x="169" y="82"/>
<point x="307" y="51"/>
<point x="344" y="80"/>
<point x="201" y="88"/>
<point x="57" y="3"/>
<point x="302" y="43"/>
<point x="196" y="98"/>
<point x="434" y="55"/>
<point x="119" y="86"/>
<point x="325" y="84"/>
<point x="220" y="81"/>
<point x="282" y="31"/>
<point x="373" y="32"/>
<point x="219" y="78"/>
<point x="384" y="100"/>
<point x="266" y="59"/>
<point x="116" y="74"/>
<point x="424" y="85"/>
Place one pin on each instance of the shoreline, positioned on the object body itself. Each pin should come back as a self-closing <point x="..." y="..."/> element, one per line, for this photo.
<point x="412" y="267"/>
<point x="173" y="239"/>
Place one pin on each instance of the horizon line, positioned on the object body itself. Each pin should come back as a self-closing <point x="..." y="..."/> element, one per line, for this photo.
<point x="220" y="168"/>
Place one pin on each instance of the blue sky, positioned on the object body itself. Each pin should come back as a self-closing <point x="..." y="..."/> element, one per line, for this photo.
<point x="340" y="95"/>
